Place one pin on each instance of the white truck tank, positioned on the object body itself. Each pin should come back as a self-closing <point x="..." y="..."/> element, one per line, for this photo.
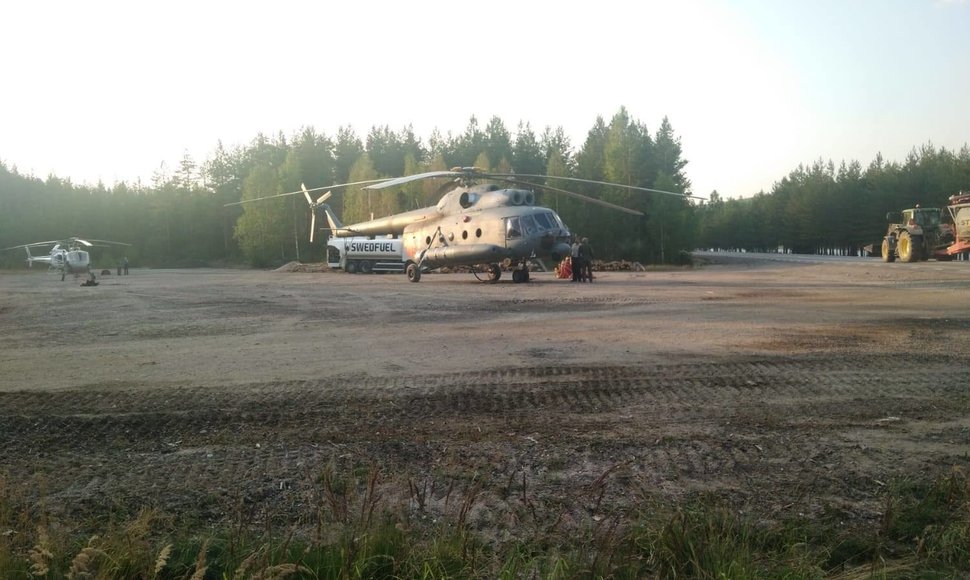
<point x="366" y="255"/>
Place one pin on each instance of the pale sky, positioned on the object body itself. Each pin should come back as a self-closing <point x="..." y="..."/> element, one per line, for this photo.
<point x="109" y="91"/>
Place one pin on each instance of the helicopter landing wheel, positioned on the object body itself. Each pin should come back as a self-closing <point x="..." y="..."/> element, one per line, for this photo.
<point x="520" y="276"/>
<point x="413" y="272"/>
<point x="488" y="273"/>
<point x="494" y="273"/>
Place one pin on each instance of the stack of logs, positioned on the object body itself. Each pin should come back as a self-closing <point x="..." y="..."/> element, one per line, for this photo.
<point x="617" y="266"/>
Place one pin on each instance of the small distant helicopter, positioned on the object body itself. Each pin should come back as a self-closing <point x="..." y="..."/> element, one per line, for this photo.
<point x="473" y="224"/>
<point x="65" y="256"/>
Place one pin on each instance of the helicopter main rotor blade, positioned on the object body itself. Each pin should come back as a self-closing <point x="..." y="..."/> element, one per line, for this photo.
<point x="87" y="243"/>
<point x="591" y="181"/>
<point x="32" y="245"/>
<point x="108" y="242"/>
<point x="323" y="198"/>
<point x="589" y="199"/>
<point x="336" y="186"/>
<point x="415" y="177"/>
<point x="313" y="224"/>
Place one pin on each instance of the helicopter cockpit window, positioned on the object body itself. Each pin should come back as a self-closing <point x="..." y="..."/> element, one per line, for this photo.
<point x="542" y="218"/>
<point x="529" y="227"/>
<point x="512" y="228"/>
<point x="559" y="223"/>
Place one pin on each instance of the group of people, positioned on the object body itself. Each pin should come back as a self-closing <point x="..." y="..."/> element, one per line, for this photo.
<point x="123" y="266"/>
<point x="579" y="264"/>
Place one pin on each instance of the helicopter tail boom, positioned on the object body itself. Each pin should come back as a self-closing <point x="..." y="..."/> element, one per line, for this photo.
<point x="336" y="227"/>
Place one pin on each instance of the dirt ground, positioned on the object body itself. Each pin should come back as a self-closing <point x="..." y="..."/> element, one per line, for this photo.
<point x="781" y="388"/>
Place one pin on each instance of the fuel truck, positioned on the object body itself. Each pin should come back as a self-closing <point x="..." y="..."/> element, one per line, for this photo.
<point x="366" y="255"/>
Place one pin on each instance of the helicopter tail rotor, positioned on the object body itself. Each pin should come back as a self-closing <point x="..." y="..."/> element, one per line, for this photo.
<point x="313" y="208"/>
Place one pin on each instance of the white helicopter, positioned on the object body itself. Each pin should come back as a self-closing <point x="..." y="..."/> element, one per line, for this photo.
<point x="65" y="256"/>
<point x="473" y="224"/>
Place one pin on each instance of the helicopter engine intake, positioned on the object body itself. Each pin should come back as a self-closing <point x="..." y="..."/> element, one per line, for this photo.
<point x="500" y="198"/>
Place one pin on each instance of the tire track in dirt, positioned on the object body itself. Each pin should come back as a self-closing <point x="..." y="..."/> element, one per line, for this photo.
<point x="745" y="426"/>
<point x="578" y="388"/>
<point x="763" y="391"/>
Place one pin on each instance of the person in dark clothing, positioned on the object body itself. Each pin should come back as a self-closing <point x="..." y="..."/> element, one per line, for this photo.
<point x="586" y="251"/>
<point x="125" y="264"/>
<point x="583" y="259"/>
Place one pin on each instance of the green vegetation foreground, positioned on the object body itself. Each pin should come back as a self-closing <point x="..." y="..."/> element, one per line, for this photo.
<point x="924" y="532"/>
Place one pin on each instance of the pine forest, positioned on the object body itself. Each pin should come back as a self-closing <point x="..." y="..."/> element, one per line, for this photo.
<point x="181" y="219"/>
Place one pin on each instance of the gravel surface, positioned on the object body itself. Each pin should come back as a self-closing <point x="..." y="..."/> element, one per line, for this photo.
<point x="779" y="387"/>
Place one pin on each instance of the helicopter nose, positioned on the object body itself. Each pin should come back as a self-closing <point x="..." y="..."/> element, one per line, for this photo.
<point x="560" y="251"/>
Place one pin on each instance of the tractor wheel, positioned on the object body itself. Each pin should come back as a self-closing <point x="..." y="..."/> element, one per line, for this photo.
<point x="414" y="273"/>
<point x="908" y="247"/>
<point x="888" y="254"/>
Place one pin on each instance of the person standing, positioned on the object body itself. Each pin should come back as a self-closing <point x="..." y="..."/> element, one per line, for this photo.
<point x="586" y="251"/>
<point x="577" y="262"/>
<point x="125" y="264"/>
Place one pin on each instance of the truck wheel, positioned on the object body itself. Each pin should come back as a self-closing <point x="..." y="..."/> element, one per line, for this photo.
<point x="908" y="250"/>
<point x="366" y="267"/>
<point x="414" y="273"/>
<point x="351" y="267"/>
<point x="888" y="255"/>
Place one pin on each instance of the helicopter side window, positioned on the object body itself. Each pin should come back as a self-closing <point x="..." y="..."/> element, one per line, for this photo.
<point x="512" y="228"/>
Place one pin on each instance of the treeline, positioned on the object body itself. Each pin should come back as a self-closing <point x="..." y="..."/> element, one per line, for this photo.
<point x="822" y="209"/>
<point x="181" y="219"/>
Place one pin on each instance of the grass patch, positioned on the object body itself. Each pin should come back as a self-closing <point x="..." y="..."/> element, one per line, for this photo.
<point x="354" y="533"/>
